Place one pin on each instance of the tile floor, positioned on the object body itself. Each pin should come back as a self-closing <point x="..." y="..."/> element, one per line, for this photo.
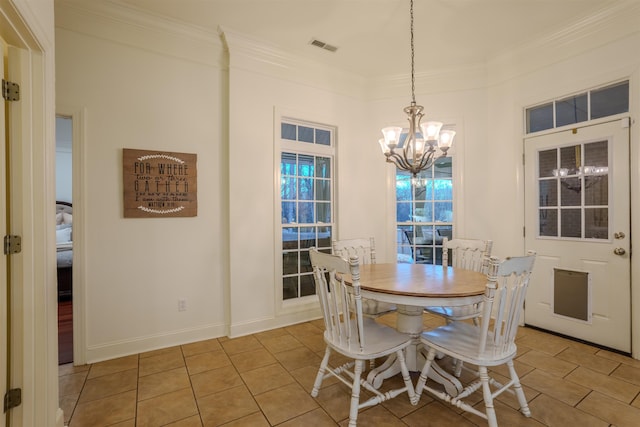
<point x="265" y="379"/>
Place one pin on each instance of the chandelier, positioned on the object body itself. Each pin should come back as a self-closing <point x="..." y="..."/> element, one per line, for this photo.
<point x="419" y="149"/>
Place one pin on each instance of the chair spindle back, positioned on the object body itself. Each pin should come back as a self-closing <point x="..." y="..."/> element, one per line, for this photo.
<point x="469" y="254"/>
<point x="364" y="249"/>
<point x="504" y="300"/>
<point x="340" y="303"/>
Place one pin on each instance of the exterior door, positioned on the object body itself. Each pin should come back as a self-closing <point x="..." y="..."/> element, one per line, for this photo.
<point x="577" y="219"/>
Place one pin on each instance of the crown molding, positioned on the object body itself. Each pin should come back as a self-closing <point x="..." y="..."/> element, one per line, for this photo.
<point x="257" y="56"/>
<point x="611" y="23"/>
<point x="126" y="25"/>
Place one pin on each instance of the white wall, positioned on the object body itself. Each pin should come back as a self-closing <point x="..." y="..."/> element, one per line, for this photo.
<point x="144" y="95"/>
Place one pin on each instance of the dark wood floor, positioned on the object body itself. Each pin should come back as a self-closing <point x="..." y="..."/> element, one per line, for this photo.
<point x="65" y="332"/>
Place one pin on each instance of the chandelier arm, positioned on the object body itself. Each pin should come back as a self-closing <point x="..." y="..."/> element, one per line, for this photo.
<point x="399" y="161"/>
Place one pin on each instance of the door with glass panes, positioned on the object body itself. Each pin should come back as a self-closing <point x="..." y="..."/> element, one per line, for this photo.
<point x="577" y="220"/>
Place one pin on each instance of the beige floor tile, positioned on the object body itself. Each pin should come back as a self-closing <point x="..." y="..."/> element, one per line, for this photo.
<point x="105" y="412"/>
<point x="558" y="388"/>
<point x="627" y="373"/>
<point x="229" y="405"/>
<point x="277" y="406"/>
<point x="609" y="386"/>
<point x="166" y="408"/>
<point x="127" y="423"/>
<point x="335" y="401"/>
<point x="256" y="419"/>
<point x="302" y="329"/>
<point x="306" y="376"/>
<point x="297" y="358"/>
<point x="542" y="342"/>
<point x="207" y="361"/>
<point x="193" y="421"/>
<point x="281" y="343"/>
<point x="108" y="385"/>
<point x="161" y="351"/>
<point x="588" y="360"/>
<point x="115" y="365"/>
<point x="547" y="363"/>
<point x="314" y="342"/>
<point x="71" y="384"/>
<point x="619" y="358"/>
<point x="215" y="380"/>
<point x="242" y="344"/>
<point x="611" y="410"/>
<point x="552" y="412"/>
<point x="201" y="347"/>
<point x="160" y="383"/>
<point x="378" y="416"/>
<point x="315" y="418"/>
<point x="274" y="333"/>
<point x="161" y="362"/>
<point x="250" y="360"/>
<point x="266" y="378"/>
<point x="506" y="415"/>
<point x="436" y="414"/>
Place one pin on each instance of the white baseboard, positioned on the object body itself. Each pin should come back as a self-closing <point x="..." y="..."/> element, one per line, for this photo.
<point x="114" y="350"/>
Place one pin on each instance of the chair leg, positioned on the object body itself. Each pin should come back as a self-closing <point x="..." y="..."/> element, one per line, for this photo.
<point x="406" y="377"/>
<point x="524" y="406"/>
<point x="423" y="375"/>
<point x="321" y="372"/>
<point x="488" y="397"/>
<point x="355" y="393"/>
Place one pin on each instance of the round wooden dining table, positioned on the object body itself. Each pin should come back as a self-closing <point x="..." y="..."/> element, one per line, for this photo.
<point x="411" y="287"/>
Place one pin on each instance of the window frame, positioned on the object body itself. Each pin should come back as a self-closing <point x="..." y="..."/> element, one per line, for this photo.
<point x="299" y="148"/>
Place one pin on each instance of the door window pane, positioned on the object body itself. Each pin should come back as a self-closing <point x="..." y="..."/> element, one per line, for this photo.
<point x="548" y="193"/>
<point x="596" y="223"/>
<point x="571" y="224"/>
<point x="548" y="222"/>
<point x="547" y="163"/>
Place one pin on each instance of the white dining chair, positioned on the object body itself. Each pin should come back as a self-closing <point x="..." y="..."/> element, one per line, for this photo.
<point x="490" y="344"/>
<point x="352" y="335"/>
<point x="469" y="254"/>
<point x="365" y="250"/>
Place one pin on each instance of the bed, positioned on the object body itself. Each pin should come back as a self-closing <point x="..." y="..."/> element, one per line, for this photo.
<point x="64" y="247"/>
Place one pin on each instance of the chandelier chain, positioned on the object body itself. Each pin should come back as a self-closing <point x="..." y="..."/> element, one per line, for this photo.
<point x="413" y="85"/>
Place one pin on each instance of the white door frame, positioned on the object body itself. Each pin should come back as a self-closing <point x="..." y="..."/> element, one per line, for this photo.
<point x="28" y="27"/>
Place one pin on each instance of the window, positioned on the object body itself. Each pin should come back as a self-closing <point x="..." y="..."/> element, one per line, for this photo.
<point x="424" y="212"/>
<point x="306" y="201"/>
<point x="573" y="188"/>
<point x="593" y="104"/>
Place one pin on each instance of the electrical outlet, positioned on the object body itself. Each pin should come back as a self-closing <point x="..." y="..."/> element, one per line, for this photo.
<point x="182" y="304"/>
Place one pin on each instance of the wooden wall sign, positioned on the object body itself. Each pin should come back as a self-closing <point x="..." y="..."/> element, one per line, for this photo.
<point x="159" y="184"/>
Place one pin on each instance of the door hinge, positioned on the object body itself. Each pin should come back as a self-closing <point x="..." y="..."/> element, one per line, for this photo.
<point x="12" y="398"/>
<point x="524" y="231"/>
<point x="10" y="91"/>
<point x="12" y="245"/>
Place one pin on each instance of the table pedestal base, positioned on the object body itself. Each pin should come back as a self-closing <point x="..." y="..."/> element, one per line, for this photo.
<point x="409" y="320"/>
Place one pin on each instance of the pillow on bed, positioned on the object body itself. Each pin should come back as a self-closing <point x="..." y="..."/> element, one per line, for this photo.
<point x="63" y="235"/>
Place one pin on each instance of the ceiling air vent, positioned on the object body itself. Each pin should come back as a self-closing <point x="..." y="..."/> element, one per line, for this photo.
<point x="323" y="45"/>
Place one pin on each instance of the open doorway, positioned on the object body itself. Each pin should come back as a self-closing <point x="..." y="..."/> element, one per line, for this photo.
<point x="64" y="237"/>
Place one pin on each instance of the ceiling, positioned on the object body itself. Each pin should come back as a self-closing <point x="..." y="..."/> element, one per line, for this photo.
<point x="373" y="37"/>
